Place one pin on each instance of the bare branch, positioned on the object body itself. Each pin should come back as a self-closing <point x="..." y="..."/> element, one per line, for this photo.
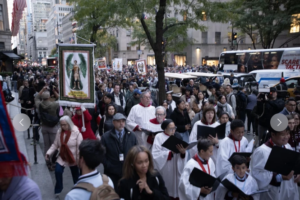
<point x="172" y="25"/>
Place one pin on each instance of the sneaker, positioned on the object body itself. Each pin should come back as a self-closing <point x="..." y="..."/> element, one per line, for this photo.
<point x="57" y="195"/>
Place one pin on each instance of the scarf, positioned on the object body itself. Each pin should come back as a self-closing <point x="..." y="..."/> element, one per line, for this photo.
<point x="65" y="153"/>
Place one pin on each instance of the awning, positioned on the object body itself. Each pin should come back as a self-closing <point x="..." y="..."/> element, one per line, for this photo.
<point x="12" y="56"/>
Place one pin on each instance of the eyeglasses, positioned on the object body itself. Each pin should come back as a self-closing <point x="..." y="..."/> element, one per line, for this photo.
<point x="147" y="97"/>
<point x="293" y="105"/>
<point x="160" y="115"/>
<point x="172" y="129"/>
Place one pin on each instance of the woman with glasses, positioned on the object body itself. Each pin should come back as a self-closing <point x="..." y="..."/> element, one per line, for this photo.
<point x="168" y="163"/>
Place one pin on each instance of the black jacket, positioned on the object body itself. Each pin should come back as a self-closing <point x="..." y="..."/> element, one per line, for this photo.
<point x="112" y="163"/>
<point x="105" y="124"/>
<point x="180" y="120"/>
<point x="266" y="109"/>
<point x="155" y="183"/>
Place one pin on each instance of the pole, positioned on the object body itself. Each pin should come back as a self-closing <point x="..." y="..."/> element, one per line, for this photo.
<point x="75" y="38"/>
<point x="231" y="36"/>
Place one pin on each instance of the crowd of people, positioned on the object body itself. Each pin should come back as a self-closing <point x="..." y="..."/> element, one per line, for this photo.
<point x="128" y="127"/>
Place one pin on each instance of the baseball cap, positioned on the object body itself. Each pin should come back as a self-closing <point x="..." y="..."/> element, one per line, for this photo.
<point x="137" y="91"/>
<point x="118" y="116"/>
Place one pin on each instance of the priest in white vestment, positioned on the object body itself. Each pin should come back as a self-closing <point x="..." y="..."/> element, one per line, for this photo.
<point x="154" y="125"/>
<point x="202" y="161"/>
<point x="208" y="119"/>
<point x="235" y="142"/>
<point x="139" y="116"/>
<point x="167" y="163"/>
<point x="264" y="178"/>
<point x="240" y="178"/>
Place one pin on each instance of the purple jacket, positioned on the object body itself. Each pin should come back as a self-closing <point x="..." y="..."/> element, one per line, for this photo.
<point x="21" y="188"/>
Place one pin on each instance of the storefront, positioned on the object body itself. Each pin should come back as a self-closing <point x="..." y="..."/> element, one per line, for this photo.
<point x="150" y="60"/>
<point x="180" y="59"/>
<point x="130" y="62"/>
<point x="210" y="61"/>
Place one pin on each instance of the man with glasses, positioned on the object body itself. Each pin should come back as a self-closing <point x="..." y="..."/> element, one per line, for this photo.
<point x="290" y="107"/>
<point x="139" y="117"/>
<point x="154" y="125"/>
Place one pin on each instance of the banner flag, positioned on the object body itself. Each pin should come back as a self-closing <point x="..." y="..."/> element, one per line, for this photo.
<point x="76" y="75"/>
<point x="117" y="65"/>
<point x="12" y="162"/>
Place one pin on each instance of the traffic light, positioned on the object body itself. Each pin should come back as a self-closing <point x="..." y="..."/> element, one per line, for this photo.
<point x="51" y="61"/>
<point x="234" y="36"/>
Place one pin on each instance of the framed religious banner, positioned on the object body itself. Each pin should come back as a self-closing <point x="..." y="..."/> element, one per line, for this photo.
<point x="141" y="67"/>
<point x="101" y="62"/>
<point x="117" y="64"/>
<point x="76" y="77"/>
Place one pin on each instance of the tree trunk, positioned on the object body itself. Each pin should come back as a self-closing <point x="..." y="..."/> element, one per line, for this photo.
<point x="158" y="50"/>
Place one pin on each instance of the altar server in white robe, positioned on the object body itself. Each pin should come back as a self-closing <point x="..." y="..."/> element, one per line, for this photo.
<point x="240" y="178"/>
<point x="154" y="125"/>
<point x="202" y="161"/>
<point x="289" y="189"/>
<point x="167" y="163"/>
<point x="139" y="116"/>
<point x="235" y="142"/>
<point x="208" y="119"/>
<point x="264" y="178"/>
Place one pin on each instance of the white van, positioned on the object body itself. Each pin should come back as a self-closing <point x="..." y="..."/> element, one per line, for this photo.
<point x="270" y="77"/>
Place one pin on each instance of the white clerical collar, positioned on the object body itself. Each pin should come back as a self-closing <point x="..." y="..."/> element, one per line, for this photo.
<point x="88" y="174"/>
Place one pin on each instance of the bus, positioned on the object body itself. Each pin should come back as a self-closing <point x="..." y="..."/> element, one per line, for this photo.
<point x="245" y="61"/>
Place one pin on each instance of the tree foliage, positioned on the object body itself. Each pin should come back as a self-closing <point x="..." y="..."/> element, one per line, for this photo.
<point x="267" y="18"/>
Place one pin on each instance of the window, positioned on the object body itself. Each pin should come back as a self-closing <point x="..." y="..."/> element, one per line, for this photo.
<point x="128" y="47"/>
<point x="128" y="32"/>
<point x="204" y="38"/>
<point x="117" y="33"/>
<point x="184" y="16"/>
<point x="229" y="35"/>
<point x="218" y="37"/>
<point x="204" y="17"/>
<point x="254" y="37"/>
<point x="2" y="45"/>
<point x="295" y="25"/>
<point x="1" y="18"/>
<point x="45" y="54"/>
<point x="292" y="83"/>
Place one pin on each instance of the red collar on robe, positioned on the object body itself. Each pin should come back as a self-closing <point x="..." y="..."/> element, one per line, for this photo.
<point x="270" y="144"/>
<point x="231" y="137"/>
<point x="206" y="123"/>
<point x="144" y="106"/>
<point x="154" y="121"/>
<point x="166" y="134"/>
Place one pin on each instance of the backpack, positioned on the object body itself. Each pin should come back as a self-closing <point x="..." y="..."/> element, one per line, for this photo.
<point x="103" y="192"/>
<point x="47" y="119"/>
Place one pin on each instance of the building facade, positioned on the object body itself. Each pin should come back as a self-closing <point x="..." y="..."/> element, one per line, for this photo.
<point x="58" y="11"/>
<point x="206" y="48"/>
<point x="5" y="33"/>
<point x="68" y="28"/>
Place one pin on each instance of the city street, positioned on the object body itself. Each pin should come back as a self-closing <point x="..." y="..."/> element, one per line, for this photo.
<point x="39" y="172"/>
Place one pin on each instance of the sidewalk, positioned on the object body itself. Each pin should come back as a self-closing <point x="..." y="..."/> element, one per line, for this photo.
<point x="39" y="172"/>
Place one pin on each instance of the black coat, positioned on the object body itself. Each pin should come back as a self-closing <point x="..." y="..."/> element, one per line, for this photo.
<point x="180" y="120"/>
<point x="112" y="163"/>
<point x="155" y="183"/>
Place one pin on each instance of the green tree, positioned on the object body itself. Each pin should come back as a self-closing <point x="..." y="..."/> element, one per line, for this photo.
<point x="191" y="12"/>
<point x="53" y="51"/>
<point x="267" y="18"/>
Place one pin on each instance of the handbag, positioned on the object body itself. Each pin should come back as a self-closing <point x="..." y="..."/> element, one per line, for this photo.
<point x="8" y="96"/>
<point x="54" y="156"/>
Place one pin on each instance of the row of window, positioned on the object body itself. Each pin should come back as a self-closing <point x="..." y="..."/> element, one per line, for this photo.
<point x="65" y="9"/>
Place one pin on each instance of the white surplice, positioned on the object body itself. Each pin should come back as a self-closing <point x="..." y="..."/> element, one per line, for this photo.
<point x="170" y="170"/>
<point x="226" y="149"/>
<point x="139" y="116"/>
<point x="152" y="126"/>
<point x="288" y="188"/>
<point x="193" y="138"/>
<point x="249" y="186"/>
<point x="263" y="177"/>
<point x="188" y="191"/>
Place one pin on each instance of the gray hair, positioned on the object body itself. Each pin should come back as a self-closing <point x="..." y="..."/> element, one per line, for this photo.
<point x="68" y="120"/>
<point x="45" y="95"/>
<point x="144" y="93"/>
<point x="160" y="108"/>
